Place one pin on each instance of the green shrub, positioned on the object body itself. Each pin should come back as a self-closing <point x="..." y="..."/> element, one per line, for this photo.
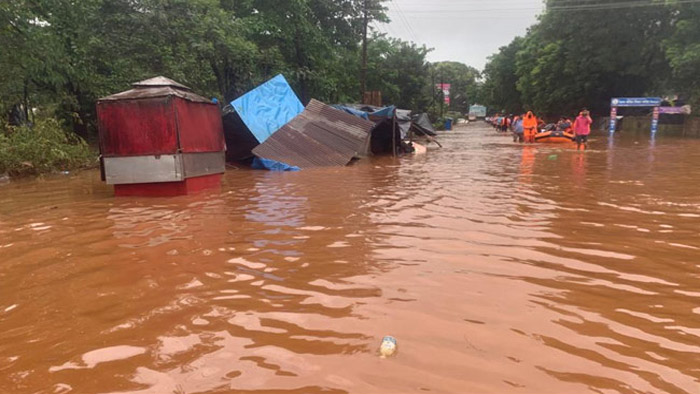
<point x="44" y="147"/>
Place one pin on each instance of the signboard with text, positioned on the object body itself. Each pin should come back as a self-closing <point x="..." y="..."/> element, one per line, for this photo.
<point x="445" y="89"/>
<point x="684" y="110"/>
<point x="615" y="103"/>
<point x="636" y="102"/>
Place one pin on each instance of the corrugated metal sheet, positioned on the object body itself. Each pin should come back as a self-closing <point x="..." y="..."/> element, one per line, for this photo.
<point x="160" y="81"/>
<point x="320" y="136"/>
<point x="154" y="92"/>
<point x="157" y="87"/>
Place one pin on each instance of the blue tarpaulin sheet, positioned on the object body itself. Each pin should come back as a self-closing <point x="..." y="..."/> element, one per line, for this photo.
<point x="272" y="165"/>
<point x="268" y="107"/>
<point x="366" y="111"/>
<point x="352" y="111"/>
<point x="386" y="112"/>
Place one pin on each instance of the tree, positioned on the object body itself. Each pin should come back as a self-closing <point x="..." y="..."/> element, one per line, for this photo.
<point x="683" y="51"/>
<point x="582" y="54"/>
<point x="399" y="70"/>
<point x="500" y="79"/>
<point x="63" y="55"/>
<point x="462" y="80"/>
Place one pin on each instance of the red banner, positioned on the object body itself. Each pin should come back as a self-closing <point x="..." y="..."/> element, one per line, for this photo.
<point x="445" y="88"/>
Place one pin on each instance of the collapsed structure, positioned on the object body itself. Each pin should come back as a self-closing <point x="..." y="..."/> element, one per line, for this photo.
<point x="254" y="117"/>
<point x="270" y="123"/>
<point x="161" y="139"/>
<point x="320" y="136"/>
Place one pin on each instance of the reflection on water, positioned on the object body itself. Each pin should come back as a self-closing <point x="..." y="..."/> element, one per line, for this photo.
<point x="498" y="267"/>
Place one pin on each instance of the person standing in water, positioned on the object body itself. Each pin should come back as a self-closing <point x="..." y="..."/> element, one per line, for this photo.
<point x="582" y="129"/>
<point x="530" y="127"/>
<point x="518" y="129"/>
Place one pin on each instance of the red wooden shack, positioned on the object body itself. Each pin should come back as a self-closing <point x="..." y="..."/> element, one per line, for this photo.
<point x="160" y="139"/>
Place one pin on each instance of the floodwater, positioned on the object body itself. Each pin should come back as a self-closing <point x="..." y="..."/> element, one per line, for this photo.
<point x="498" y="268"/>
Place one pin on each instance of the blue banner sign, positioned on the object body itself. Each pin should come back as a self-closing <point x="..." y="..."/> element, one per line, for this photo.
<point x="635" y="102"/>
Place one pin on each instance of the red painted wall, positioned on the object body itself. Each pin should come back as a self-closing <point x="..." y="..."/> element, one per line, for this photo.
<point x="137" y="127"/>
<point x="201" y="129"/>
<point x="169" y="189"/>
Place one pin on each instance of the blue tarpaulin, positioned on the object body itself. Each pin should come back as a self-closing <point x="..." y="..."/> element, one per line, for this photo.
<point x="272" y="165"/>
<point x="386" y="112"/>
<point x="268" y="107"/>
<point x="365" y="111"/>
<point x="352" y="111"/>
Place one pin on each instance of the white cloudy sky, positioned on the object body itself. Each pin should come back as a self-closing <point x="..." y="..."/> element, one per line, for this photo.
<point x="467" y="31"/>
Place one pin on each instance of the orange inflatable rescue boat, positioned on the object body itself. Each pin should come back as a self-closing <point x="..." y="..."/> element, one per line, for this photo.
<point x="554" y="136"/>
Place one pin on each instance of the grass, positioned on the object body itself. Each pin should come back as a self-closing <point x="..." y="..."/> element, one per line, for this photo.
<point x="42" y="148"/>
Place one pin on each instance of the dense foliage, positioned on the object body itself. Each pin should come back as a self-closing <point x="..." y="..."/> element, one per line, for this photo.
<point x="580" y="54"/>
<point x="60" y="56"/>
<point x="43" y="148"/>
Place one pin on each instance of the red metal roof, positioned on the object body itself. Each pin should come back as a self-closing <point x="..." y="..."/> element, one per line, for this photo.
<point x="318" y="137"/>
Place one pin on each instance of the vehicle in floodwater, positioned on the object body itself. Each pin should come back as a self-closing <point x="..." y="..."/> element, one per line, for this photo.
<point x="477" y="112"/>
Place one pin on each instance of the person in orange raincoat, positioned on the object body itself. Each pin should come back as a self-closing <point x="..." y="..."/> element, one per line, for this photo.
<point x="529" y="127"/>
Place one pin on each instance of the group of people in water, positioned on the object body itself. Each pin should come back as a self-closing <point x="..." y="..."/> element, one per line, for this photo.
<point x="526" y="127"/>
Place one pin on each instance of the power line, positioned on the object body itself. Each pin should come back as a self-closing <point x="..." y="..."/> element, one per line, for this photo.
<point x="405" y="21"/>
<point x="567" y="7"/>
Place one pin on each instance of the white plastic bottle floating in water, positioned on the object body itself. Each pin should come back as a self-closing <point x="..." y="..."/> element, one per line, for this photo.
<point x="388" y="347"/>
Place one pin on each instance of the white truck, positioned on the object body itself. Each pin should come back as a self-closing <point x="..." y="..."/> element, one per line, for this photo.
<point x="477" y="112"/>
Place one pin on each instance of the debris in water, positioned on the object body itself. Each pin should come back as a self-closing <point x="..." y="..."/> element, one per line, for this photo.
<point x="388" y="347"/>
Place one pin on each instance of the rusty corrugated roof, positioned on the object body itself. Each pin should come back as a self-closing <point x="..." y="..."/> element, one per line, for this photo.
<point x="160" y="81"/>
<point x="318" y="137"/>
<point x="157" y="87"/>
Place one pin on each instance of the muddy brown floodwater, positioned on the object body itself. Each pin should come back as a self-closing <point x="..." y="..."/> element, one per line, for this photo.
<point x="498" y="268"/>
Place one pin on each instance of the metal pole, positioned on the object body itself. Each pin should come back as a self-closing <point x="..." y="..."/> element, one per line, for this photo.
<point x="363" y="71"/>
<point x="613" y="119"/>
<point x="442" y="89"/>
<point x="393" y="133"/>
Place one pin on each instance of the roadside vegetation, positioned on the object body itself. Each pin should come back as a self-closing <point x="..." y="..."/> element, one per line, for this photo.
<point x="583" y="53"/>
<point x="60" y="56"/>
<point x="43" y="147"/>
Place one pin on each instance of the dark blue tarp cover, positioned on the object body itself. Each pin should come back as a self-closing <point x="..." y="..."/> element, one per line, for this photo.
<point x="364" y="111"/>
<point x="386" y="112"/>
<point x="268" y="107"/>
<point x="272" y="165"/>
<point x="352" y="111"/>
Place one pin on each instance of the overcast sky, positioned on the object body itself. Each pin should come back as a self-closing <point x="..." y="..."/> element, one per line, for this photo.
<point x="466" y="31"/>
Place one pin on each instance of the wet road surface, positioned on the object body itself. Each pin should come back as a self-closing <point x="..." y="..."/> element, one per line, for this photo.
<point x="498" y="268"/>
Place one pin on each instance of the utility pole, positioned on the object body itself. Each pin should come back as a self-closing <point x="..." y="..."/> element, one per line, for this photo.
<point x="363" y="70"/>
<point x="432" y="75"/>
<point x="442" y="90"/>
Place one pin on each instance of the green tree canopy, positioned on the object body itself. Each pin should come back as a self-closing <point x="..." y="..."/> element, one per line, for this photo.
<point x="581" y="54"/>
<point x="463" y="79"/>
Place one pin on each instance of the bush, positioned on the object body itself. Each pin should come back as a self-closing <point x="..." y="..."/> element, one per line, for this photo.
<point x="44" y="147"/>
